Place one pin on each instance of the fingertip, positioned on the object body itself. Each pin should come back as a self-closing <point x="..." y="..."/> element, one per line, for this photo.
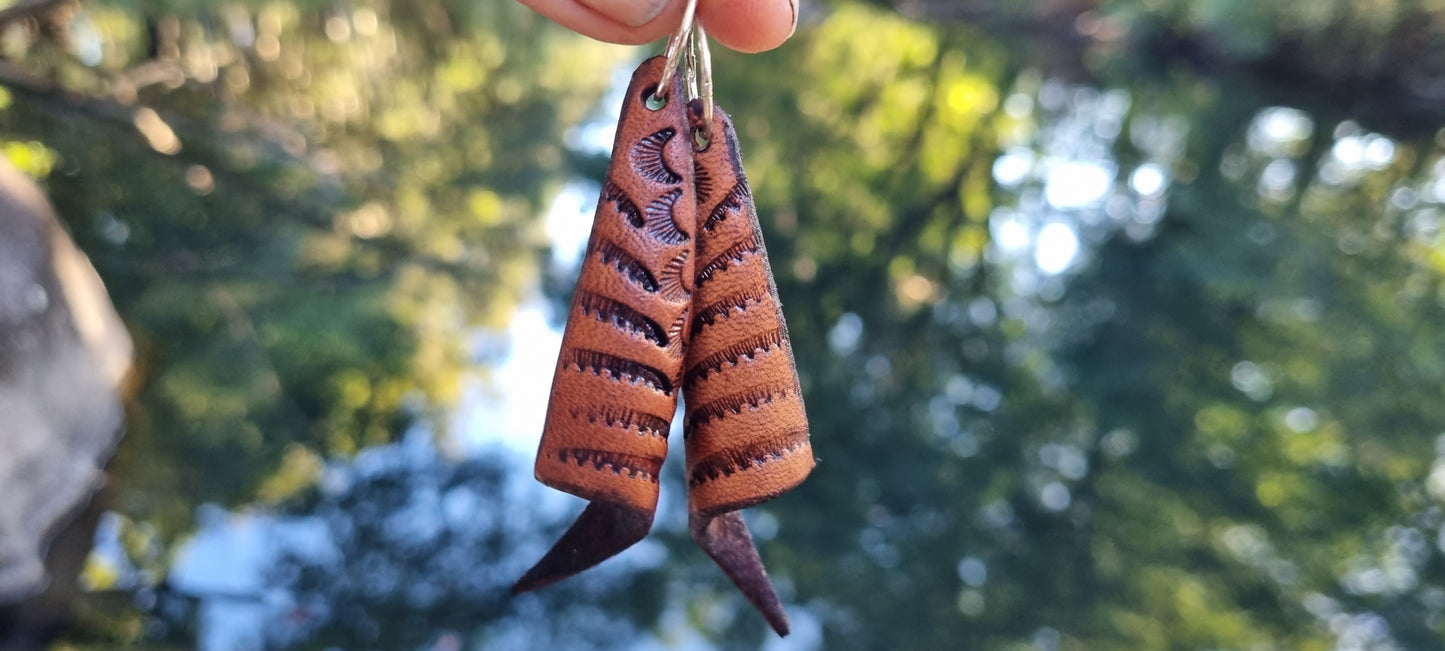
<point x="632" y="13"/>
<point x="589" y="22"/>
<point x="749" y="26"/>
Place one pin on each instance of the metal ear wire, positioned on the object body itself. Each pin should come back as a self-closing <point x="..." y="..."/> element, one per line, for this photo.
<point x="689" y="62"/>
<point x="703" y="69"/>
<point x="676" y="48"/>
<point x="687" y="50"/>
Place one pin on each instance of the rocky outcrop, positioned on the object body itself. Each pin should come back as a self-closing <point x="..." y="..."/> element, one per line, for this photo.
<point x="63" y="355"/>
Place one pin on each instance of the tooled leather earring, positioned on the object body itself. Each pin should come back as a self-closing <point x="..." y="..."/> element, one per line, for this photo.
<point x="745" y="432"/>
<point x="615" y="388"/>
<point x="674" y="296"/>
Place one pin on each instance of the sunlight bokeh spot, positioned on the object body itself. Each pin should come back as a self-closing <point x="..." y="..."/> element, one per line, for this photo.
<point x="1075" y="184"/>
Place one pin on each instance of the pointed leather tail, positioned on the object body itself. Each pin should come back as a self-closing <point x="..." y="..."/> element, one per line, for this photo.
<point x="616" y="382"/>
<point x="599" y="533"/>
<point x="726" y="539"/>
<point x="746" y="430"/>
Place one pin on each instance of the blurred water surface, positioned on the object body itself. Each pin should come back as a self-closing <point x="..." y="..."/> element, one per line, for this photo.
<point x="1117" y="322"/>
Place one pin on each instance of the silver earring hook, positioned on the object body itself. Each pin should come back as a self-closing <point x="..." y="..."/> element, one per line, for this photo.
<point x="704" y="74"/>
<point x="675" y="48"/>
<point x="687" y="50"/>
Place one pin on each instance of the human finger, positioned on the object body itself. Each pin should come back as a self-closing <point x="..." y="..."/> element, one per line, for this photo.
<point x="749" y="25"/>
<point x="628" y="22"/>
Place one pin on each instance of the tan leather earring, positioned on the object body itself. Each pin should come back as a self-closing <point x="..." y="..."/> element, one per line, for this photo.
<point x="675" y="295"/>
<point x="616" y="385"/>
<point x="746" y="432"/>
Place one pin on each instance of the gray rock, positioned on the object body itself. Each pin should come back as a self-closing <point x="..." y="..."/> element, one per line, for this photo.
<point x="63" y="355"/>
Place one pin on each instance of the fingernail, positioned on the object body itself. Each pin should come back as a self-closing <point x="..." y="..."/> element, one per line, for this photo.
<point x="793" y="7"/>
<point x="632" y="13"/>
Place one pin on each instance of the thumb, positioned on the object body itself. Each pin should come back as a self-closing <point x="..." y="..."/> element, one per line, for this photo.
<point x="632" y="13"/>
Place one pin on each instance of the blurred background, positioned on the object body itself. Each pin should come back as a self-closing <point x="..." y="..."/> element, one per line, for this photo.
<point x="1118" y="322"/>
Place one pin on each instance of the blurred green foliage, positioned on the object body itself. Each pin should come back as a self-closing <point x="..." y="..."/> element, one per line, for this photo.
<point x="1218" y="427"/>
<point x="301" y="210"/>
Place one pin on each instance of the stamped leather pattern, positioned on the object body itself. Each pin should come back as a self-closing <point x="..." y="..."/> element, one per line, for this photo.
<point x="617" y="379"/>
<point x="675" y="298"/>
<point x="746" y="431"/>
<point x="615" y="386"/>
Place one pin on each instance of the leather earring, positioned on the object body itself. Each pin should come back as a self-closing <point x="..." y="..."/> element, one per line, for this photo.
<point x="675" y="295"/>
<point x="616" y="383"/>
<point x="745" y="432"/>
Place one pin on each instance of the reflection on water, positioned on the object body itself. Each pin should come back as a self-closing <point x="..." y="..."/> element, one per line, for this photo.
<point x="1061" y="167"/>
<point x="1146" y="361"/>
<point x="399" y="545"/>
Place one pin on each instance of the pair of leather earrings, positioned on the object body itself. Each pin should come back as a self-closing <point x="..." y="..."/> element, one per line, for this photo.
<point x="675" y="295"/>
